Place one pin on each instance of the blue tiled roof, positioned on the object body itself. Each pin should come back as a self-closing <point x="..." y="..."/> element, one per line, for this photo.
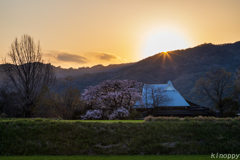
<point x="168" y="90"/>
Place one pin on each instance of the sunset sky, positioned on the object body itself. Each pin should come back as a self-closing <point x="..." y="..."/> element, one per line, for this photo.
<point x="77" y="33"/>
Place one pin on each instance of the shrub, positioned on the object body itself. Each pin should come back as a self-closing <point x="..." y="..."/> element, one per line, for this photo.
<point x="149" y="118"/>
<point x="199" y="118"/>
<point x="3" y="115"/>
<point x="135" y="114"/>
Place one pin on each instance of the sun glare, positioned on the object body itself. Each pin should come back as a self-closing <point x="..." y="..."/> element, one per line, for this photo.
<point x="162" y="41"/>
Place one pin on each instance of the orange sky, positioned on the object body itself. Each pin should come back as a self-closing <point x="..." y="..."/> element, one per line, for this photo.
<point x="77" y="33"/>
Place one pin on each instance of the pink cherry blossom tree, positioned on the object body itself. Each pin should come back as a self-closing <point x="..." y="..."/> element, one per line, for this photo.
<point x="114" y="98"/>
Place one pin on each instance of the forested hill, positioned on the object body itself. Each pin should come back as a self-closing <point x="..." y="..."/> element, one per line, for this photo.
<point x="182" y="67"/>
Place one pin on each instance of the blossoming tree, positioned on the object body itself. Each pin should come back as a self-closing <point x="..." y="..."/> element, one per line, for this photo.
<point x="112" y="99"/>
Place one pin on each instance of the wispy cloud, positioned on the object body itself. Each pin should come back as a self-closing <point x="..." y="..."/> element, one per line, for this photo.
<point x="106" y="56"/>
<point x="68" y="57"/>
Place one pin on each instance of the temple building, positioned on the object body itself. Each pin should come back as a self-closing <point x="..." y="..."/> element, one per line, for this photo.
<point x="165" y="100"/>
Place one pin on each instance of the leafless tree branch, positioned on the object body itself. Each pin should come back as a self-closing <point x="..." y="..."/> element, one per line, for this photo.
<point x="27" y="72"/>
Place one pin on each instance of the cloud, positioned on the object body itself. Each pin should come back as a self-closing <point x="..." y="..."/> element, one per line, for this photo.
<point x="103" y="57"/>
<point x="106" y="56"/>
<point x="67" y="57"/>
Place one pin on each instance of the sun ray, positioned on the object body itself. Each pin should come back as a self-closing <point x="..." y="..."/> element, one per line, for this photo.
<point x="166" y="57"/>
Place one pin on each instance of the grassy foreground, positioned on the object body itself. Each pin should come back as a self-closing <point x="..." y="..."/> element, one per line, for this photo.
<point x="58" y="120"/>
<point x="57" y="137"/>
<point x="148" y="157"/>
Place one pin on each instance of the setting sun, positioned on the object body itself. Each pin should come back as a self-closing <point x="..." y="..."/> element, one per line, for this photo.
<point x="163" y="40"/>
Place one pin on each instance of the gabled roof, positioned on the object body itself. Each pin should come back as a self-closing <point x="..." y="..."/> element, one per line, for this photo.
<point x="169" y="86"/>
<point x="176" y="99"/>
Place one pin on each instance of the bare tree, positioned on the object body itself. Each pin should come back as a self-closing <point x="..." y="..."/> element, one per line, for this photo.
<point x="236" y="90"/>
<point x="214" y="86"/>
<point x="68" y="101"/>
<point x="154" y="96"/>
<point x="230" y="106"/>
<point x="27" y="73"/>
<point x="65" y="103"/>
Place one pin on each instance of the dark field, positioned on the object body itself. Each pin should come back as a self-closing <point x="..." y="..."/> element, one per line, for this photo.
<point x="58" y="137"/>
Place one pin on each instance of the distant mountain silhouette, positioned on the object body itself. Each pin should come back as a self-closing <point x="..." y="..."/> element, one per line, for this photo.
<point x="61" y="72"/>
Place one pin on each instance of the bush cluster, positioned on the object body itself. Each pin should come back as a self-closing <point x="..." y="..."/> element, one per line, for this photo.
<point x="199" y="118"/>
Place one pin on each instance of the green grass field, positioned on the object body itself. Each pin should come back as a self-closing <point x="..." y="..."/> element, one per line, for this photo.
<point x="148" y="157"/>
<point x="135" y="137"/>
